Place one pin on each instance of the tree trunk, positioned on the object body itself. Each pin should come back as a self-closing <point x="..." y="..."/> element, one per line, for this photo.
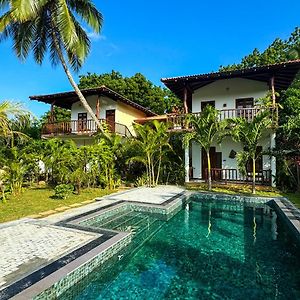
<point x="298" y="176"/>
<point x="158" y="170"/>
<point x="75" y="86"/>
<point x="209" y="170"/>
<point x="253" y="175"/>
<point x="150" y="171"/>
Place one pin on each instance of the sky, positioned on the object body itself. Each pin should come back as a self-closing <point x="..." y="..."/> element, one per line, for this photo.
<point x="158" y="38"/>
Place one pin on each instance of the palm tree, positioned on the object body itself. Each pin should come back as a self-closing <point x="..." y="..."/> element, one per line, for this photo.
<point x="12" y="117"/>
<point x="42" y="25"/>
<point x="248" y="133"/>
<point x="206" y="129"/>
<point x="152" y="140"/>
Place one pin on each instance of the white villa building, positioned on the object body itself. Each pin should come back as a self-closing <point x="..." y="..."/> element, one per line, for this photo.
<point x="233" y="93"/>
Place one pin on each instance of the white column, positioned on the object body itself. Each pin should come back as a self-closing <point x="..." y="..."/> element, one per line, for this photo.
<point x="273" y="159"/>
<point x="187" y="164"/>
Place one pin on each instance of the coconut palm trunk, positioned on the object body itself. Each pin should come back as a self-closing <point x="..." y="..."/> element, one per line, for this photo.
<point x="75" y="86"/>
<point x="208" y="170"/>
<point x="253" y="175"/>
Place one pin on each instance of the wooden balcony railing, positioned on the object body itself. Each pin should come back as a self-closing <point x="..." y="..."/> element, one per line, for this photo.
<point x="85" y="127"/>
<point x="179" y="121"/>
<point x="234" y="176"/>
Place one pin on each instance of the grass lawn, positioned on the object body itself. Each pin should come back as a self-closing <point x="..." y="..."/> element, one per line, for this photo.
<point x="264" y="191"/>
<point x="36" y="200"/>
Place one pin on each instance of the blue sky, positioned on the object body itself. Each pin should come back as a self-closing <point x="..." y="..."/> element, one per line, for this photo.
<point x="158" y="38"/>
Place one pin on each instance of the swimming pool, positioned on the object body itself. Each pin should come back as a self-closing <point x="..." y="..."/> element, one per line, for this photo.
<point x="209" y="250"/>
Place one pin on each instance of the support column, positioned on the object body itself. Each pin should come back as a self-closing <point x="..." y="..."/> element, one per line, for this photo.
<point x="272" y="83"/>
<point x="187" y="164"/>
<point x="186" y="110"/>
<point x="98" y="107"/>
<point x="52" y="112"/>
<point x="273" y="159"/>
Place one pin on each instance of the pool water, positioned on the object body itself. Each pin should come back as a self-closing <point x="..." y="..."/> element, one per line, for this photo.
<point x="209" y="250"/>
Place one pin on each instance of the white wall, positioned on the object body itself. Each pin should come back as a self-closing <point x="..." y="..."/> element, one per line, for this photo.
<point x="125" y="114"/>
<point x="226" y="91"/>
<point x="227" y="163"/>
<point x="105" y="104"/>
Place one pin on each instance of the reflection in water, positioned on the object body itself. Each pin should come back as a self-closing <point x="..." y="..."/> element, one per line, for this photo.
<point x="258" y="275"/>
<point x="254" y="226"/>
<point x="186" y="215"/>
<point x="274" y="225"/>
<point x="209" y="222"/>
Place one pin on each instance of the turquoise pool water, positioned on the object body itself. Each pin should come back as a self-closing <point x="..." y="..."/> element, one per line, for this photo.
<point x="209" y="250"/>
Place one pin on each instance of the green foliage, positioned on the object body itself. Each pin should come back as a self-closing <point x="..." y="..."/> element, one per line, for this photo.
<point x="63" y="191"/>
<point x="13" y="119"/>
<point x="136" y="88"/>
<point x="142" y="180"/>
<point x="153" y="143"/>
<point x="60" y="115"/>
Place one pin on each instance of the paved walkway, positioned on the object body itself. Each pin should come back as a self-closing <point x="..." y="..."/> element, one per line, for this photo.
<point x="29" y="244"/>
<point x="156" y="195"/>
<point x="26" y="245"/>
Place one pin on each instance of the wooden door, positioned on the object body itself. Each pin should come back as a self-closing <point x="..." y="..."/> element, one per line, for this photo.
<point x="111" y="119"/>
<point x="82" y="122"/>
<point x="215" y="162"/>
<point x="205" y="103"/>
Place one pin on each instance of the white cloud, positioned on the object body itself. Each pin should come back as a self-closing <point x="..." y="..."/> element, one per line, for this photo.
<point x="95" y="36"/>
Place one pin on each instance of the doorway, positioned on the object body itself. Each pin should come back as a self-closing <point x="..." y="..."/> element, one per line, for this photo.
<point x="241" y="106"/>
<point x="82" y="122"/>
<point x="215" y="162"/>
<point x="111" y="119"/>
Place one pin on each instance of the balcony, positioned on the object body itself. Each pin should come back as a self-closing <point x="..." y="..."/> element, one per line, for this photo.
<point x="82" y="127"/>
<point x="177" y="122"/>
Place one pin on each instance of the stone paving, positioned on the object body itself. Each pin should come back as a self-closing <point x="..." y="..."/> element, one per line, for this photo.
<point x="26" y="245"/>
<point x="156" y="195"/>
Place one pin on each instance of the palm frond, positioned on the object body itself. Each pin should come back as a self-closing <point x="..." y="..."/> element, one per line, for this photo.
<point x="88" y="12"/>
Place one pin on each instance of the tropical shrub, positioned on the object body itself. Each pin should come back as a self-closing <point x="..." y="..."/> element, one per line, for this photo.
<point x="63" y="191"/>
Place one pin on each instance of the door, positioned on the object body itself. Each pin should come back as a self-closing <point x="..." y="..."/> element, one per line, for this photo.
<point x="243" y="107"/>
<point x="205" y="103"/>
<point x="110" y="119"/>
<point x="82" y="122"/>
<point x="215" y="162"/>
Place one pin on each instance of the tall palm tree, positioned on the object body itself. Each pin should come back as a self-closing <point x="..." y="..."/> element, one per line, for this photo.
<point x="206" y="129"/>
<point x="248" y="133"/>
<point x="51" y="25"/>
